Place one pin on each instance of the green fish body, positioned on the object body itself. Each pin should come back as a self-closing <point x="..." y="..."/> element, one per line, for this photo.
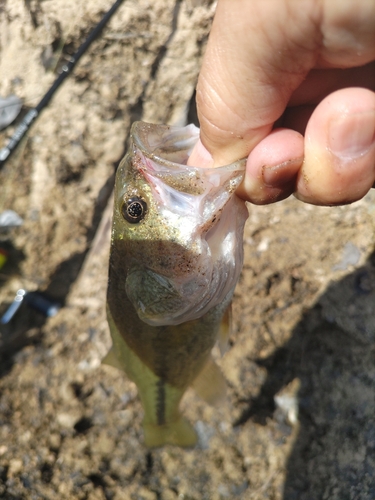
<point x="176" y="255"/>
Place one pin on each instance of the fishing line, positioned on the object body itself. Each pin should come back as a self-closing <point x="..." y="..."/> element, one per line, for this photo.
<point x="31" y="116"/>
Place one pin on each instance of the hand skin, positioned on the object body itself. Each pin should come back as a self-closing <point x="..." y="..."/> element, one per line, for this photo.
<point x="290" y="85"/>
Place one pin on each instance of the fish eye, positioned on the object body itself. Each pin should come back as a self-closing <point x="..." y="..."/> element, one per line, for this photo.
<point x="134" y="209"/>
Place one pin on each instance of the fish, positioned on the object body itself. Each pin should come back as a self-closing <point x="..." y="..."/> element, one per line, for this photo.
<point x="176" y="255"/>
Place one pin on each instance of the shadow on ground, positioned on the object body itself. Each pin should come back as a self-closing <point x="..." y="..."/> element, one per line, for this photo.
<point x="26" y="327"/>
<point x="331" y="352"/>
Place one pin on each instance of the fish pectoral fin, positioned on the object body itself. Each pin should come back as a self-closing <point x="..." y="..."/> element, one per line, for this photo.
<point x="225" y="330"/>
<point x="179" y="433"/>
<point x="210" y="384"/>
<point x="111" y="359"/>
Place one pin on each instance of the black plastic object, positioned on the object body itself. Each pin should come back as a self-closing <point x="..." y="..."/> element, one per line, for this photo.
<point x="42" y="303"/>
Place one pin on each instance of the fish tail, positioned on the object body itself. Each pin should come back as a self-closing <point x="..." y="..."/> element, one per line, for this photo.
<point x="179" y="433"/>
<point x="162" y="423"/>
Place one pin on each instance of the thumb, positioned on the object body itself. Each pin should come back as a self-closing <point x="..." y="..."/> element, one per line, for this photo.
<point x="339" y="165"/>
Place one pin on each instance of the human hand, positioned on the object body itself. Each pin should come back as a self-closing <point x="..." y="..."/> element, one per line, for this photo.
<point x="277" y="69"/>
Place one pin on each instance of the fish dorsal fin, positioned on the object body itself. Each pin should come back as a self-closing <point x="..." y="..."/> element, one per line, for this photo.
<point x="111" y="359"/>
<point x="225" y="330"/>
<point x="210" y="384"/>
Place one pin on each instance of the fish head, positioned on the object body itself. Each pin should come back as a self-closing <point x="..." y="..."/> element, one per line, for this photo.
<point x="177" y="230"/>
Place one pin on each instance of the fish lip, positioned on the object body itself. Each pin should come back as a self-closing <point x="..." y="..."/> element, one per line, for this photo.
<point x="163" y="147"/>
<point x="158" y="142"/>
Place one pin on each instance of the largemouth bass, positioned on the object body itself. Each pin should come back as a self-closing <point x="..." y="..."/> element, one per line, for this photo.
<point x="176" y="255"/>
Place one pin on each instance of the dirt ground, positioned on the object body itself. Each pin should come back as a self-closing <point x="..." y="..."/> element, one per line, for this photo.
<point x="298" y="423"/>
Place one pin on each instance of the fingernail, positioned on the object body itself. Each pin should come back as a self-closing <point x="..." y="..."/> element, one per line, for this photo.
<point x="351" y="136"/>
<point x="281" y="174"/>
<point x="200" y="157"/>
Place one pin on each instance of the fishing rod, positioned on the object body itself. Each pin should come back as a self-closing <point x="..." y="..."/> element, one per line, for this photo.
<point x="31" y="115"/>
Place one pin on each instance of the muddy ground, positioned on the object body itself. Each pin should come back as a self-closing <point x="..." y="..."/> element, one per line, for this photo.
<point x="298" y="423"/>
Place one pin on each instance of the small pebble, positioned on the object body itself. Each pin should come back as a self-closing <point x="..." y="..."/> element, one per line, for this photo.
<point x="67" y="420"/>
<point x="15" y="467"/>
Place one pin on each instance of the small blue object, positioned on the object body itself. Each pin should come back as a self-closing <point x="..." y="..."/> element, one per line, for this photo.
<point x="14" y="306"/>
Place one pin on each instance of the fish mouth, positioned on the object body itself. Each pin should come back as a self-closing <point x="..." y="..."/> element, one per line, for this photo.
<point x="165" y="151"/>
